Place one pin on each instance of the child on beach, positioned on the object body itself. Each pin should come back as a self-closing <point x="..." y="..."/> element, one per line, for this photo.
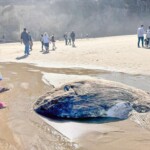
<point x="66" y="38"/>
<point x="53" y="42"/>
<point x="30" y="41"/>
<point x="69" y="39"/>
<point x="42" y="43"/>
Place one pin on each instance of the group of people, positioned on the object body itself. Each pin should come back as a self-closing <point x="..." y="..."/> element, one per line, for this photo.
<point x="141" y="32"/>
<point x="70" y="38"/>
<point x="46" y="40"/>
<point x="26" y="39"/>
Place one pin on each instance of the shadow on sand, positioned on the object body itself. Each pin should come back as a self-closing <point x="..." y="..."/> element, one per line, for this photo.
<point x="22" y="57"/>
<point x="98" y="120"/>
<point x="45" y="52"/>
<point x="148" y="48"/>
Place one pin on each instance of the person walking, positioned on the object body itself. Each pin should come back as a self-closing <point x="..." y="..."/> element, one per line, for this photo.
<point x="46" y="41"/>
<point x="30" y="41"/>
<point x="53" y="42"/>
<point x="140" y="33"/>
<point x="25" y="39"/>
<point x="73" y="36"/>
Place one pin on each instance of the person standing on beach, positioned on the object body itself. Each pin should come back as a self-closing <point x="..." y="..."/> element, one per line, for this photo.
<point x="53" y="42"/>
<point x="3" y="38"/>
<point x="69" y="38"/>
<point x="66" y="38"/>
<point x="42" y="43"/>
<point x="30" y="41"/>
<point x="46" y="41"/>
<point x="73" y="36"/>
<point x="140" y="33"/>
<point x="25" y="39"/>
<point x="148" y="35"/>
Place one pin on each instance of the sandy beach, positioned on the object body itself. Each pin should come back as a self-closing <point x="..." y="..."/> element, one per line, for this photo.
<point x="119" y="53"/>
<point x="22" y="129"/>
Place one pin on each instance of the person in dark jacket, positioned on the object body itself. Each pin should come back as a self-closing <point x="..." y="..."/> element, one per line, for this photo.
<point x="73" y="36"/>
<point x="25" y="39"/>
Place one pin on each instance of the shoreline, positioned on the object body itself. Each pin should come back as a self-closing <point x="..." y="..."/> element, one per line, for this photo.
<point x="84" y="67"/>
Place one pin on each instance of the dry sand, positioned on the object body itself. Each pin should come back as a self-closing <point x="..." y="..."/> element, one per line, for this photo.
<point x="118" y="53"/>
<point x="22" y="129"/>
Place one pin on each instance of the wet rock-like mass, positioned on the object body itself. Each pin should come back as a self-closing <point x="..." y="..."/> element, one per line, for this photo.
<point x="95" y="98"/>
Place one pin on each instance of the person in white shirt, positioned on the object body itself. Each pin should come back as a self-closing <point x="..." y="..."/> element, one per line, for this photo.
<point x="148" y="35"/>
<point x="140" y="33"/>
<point x="46" y="41"/>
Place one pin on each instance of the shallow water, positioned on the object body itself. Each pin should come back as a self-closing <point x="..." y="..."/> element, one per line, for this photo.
<point x="135" y="80"/>
<point x="25" y="82"/>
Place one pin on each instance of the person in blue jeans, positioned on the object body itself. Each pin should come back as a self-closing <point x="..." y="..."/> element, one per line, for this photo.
<point x="140" y="33"/>
<point x="140" y="39"/>
<point x="26" y="40"/>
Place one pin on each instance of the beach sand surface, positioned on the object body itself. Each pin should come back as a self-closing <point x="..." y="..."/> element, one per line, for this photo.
<point x="22" y="129"/>
<point x="119" y="53"/>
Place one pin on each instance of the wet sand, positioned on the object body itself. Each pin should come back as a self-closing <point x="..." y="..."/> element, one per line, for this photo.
<point x="23" y="129"/>
<point x="128" y="137"/>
